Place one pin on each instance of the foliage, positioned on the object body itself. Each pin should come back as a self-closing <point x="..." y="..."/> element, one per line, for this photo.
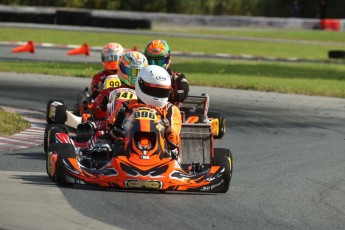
<point x="268" y="8"/>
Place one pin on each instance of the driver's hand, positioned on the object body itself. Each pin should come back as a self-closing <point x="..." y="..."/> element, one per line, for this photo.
<point x="120" y="116"/>
<point x="167" y="127"/>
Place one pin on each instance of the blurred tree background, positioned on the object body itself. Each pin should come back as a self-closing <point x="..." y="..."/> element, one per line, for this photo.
<point x="265" y="8"/>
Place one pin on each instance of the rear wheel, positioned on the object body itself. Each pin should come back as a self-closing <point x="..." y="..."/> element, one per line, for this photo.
<point x="223" y="158"/>
<point x="221" y="121"/>
<point x="65" y="151"/>
<point x="49" y="134"/>
<point x="83" y="99"/>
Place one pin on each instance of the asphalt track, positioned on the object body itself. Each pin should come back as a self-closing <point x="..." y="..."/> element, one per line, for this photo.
<point x="288" y="158"/>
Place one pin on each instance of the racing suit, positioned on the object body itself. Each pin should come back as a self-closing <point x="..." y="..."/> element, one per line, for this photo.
<point x="180" y="87"/>
<point x="97" y="79"/>
<point x="170" y="112"/>
<point x="100" y="103"/>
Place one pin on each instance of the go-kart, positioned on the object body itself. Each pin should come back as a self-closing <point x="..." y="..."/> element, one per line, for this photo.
<point x="141" y="159"/>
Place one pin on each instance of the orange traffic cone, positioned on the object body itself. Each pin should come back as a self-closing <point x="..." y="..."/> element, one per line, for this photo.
<point x="29" y="47"/>
<point x="84" y="49"/>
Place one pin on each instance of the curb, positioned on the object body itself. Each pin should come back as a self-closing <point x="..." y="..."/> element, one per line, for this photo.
<point x="28" y="138"/>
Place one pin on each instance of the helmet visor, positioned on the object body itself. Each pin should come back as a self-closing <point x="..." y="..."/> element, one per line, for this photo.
<point x="110" y="57"/>
<point x="131" y="72"/>
<point x="158" y="61"/>
<point x="159" y="91"/>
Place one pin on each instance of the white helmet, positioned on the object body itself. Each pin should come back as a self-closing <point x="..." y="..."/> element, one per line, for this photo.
<point x="153" y="85"/>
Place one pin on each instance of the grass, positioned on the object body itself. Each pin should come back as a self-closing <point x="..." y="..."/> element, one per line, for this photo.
<point x="184" y="44"/>
<point x="298" y="78"/>
<point x="11" y="123"/>
<point x="52" y="68"/>
<point x="292" y="35"/>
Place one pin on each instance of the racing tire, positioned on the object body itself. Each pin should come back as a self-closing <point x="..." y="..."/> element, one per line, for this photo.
<point x="60" y="112"/>
<point x="49" y="134"/>
<point x="223" y="158"/>
<point x="64" y="151"/>
<point x="55" y="147"/>
<point x="83" y="99"/>
<point x="222" y="123"/>
<point x="336" y="54"/>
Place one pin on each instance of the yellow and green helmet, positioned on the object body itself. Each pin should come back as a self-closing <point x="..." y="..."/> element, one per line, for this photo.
<point x="130" y="64"/>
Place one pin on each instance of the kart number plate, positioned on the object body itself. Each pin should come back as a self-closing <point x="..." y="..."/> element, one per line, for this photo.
<point x="143" y="184"/>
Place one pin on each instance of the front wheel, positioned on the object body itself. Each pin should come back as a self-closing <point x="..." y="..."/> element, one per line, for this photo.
<point x="67" y="151"/>
<point x="49" y="134"/>
<point x="223" y="158"/>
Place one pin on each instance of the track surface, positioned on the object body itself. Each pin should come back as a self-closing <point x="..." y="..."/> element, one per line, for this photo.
<point x="288" y="158"/>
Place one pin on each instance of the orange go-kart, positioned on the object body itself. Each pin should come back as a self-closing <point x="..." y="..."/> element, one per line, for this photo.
<point x="145" y="160"/>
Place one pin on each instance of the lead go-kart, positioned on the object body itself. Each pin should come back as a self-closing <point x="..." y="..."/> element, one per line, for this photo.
<point x="145" y="161"/>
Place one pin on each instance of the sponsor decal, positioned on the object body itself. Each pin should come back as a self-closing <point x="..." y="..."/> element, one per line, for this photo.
<point x="160" y="78"/>
<point x="143" y="184"/>
<point x="159" y="126"/>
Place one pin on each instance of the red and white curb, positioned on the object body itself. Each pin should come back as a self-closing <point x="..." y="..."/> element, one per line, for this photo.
<point x="31" y="137"/>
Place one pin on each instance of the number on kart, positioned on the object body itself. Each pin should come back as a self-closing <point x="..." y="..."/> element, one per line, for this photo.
<point x="125" y="95"/>
<point x="113" y="84"/>
<point x="145" y="114"/>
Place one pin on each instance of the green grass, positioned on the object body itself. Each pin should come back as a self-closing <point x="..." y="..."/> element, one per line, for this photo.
<point x="52" y="68"/>
<point x="11" y="123"/>
<point x="210" y="46"/>
<point x="298" y="78"/>
<point x="292" y="35"/>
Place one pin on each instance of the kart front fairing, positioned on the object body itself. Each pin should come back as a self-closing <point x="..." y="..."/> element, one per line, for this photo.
<point x="123" y="174"/>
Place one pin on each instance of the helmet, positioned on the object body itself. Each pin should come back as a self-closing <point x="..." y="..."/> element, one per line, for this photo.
<point x="153" y="86"/>
<point x="130" y="64"/>
<point x="157" y="52"/>
<point x="112" y="81"/>
<point x="110" y="55"/>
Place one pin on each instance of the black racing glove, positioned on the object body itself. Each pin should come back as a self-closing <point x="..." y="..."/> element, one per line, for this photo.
<point x="117" y="130"/>
<point x="120" y="117"/>
<point x="104" y="103"/>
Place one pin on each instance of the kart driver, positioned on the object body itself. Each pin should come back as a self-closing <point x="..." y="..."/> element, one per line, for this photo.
<point x="152" y="87"/>
<point x="129" y="64"/>
<point x="110" y="56"/>
<point x="157" y="52"/>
